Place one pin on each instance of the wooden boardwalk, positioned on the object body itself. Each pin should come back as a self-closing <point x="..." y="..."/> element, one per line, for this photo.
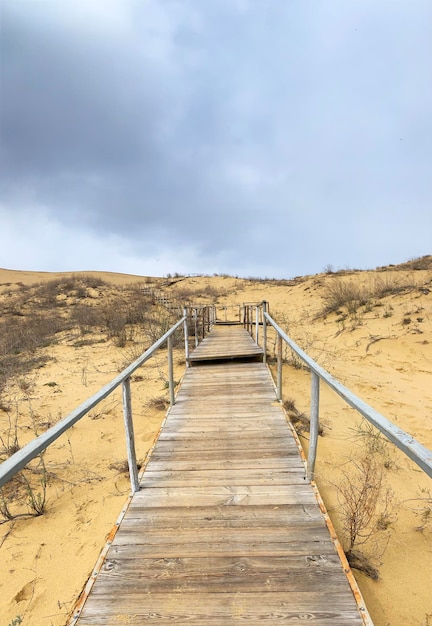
<point x="225" y="528"/>
<point x="225" y="343"/>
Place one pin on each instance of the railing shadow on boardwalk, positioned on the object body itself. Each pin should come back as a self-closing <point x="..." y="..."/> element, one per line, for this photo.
<point x="196" y="323"/>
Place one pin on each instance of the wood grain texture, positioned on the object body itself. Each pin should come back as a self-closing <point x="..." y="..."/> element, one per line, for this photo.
<point x="225" y="528"/>
<point x="226" y="342"/>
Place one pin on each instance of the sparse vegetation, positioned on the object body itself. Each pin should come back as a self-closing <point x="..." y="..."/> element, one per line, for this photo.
<point x="25" y="494"/>
<point x="341" y="295"/>
<point x="366" y="508"/>
<point x="160" y="403"/>
<point x="371" y="439"/>
<point x="300" y="421"/>
<point x="423" y="510"/>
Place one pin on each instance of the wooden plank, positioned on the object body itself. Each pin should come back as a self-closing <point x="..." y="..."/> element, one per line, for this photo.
<point x="166" y="462"/>
<point x="205" y="477"/>
<point x="297" y="547"/>
<point x="233" y="477"/>
<point x="233" y="516"/>
<point x="224" y="528"/>
<point x="217" y="574"/>
<point x="233" y="455"/>
<point x="203" y="497"/>
<point x="324" y="608"/>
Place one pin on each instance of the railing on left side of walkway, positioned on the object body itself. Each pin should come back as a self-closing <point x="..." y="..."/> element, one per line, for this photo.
<point x="19" y="460"/>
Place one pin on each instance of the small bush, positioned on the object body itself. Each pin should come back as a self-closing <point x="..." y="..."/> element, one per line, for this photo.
<point x="300" y="421"/>
<point x="340" y="293"/>
<point x="366" y="508"/>
<point x="159" y="403"/>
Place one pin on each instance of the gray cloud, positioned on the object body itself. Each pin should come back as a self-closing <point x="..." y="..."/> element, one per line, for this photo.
<point x="265" y="137"/>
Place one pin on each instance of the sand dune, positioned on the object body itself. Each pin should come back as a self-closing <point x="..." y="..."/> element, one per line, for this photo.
<point x="380" y="347"/>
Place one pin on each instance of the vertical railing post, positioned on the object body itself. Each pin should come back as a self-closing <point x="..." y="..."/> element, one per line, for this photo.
<point x="256" y="324"/>
<point x="186" y="335"/>
<point x="264" y="304"/>
<point x="279" y="368"/>
<point x="130" y="439"/>
<point x="195" y="314"/>
<point x="314" y="424"/>
<point x="171" y="370"/>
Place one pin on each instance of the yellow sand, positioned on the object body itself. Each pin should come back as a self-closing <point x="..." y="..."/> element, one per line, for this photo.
<point x="384" y="359"/>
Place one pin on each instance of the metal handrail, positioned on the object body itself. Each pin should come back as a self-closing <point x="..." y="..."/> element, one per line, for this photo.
<point x="20" y="459"/>
<point x="416" y="451"/>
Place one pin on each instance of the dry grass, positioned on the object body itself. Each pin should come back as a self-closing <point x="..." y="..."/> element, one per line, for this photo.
<point x="341" y="295"/>
<point x="300" y="421"/>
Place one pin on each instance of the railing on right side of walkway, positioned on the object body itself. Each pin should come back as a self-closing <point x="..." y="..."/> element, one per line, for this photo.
<point x="412" y="448"/>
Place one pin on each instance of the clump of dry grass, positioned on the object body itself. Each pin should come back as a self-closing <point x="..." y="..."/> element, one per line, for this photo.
<point x="160" y="403"/>
<point x="341" y="295"/>
<point x="299" y="420"/>
<point x="418" y="263"/>
<point x="122" y="467"/>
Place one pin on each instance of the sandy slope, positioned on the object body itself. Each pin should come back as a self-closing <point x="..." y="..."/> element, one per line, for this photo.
<point x="376" y="352"/>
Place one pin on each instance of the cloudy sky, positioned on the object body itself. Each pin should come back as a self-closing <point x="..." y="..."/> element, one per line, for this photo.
<point x="253" y="137"/>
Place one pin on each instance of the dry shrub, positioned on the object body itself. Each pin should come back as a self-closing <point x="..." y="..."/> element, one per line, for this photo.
<point x="366" y="508"/>
<point x="20" y="340"/>
<point x="122" y="467"/>
<point x="300" y="421"/>
<point x="160" y="403"/>
<point x="75" y="285"/>
<point x="340" y="294"/>
<point x="86" y="317"/>
<point x="25" y="494"/>
<point x="419" y="263"/>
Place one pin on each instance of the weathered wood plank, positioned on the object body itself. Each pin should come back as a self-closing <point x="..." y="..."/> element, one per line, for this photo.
<point x="233" y="455"/>
<point x="251" y="574"/>
<point x="275" y="462"/>
<point x="324" y="608"/>
<point x="233" y="516"/>
<point x="154" y="498"/>
<point x="207" y="478"/>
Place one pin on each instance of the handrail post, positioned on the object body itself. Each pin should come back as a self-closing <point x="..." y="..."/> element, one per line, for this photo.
<point x="264" y="331"/>
<point x="195" y="313"/>
<point x="279" y="368"/>
<point x="186" y="335"/>
<point x="130" y="439"/>
<point x="171" y="370"/>
<point x="314" y="424"/>
<point x="256" y="324"/>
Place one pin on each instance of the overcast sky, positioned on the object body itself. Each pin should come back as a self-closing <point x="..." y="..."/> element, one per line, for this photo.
<point x="251" y="137"/>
